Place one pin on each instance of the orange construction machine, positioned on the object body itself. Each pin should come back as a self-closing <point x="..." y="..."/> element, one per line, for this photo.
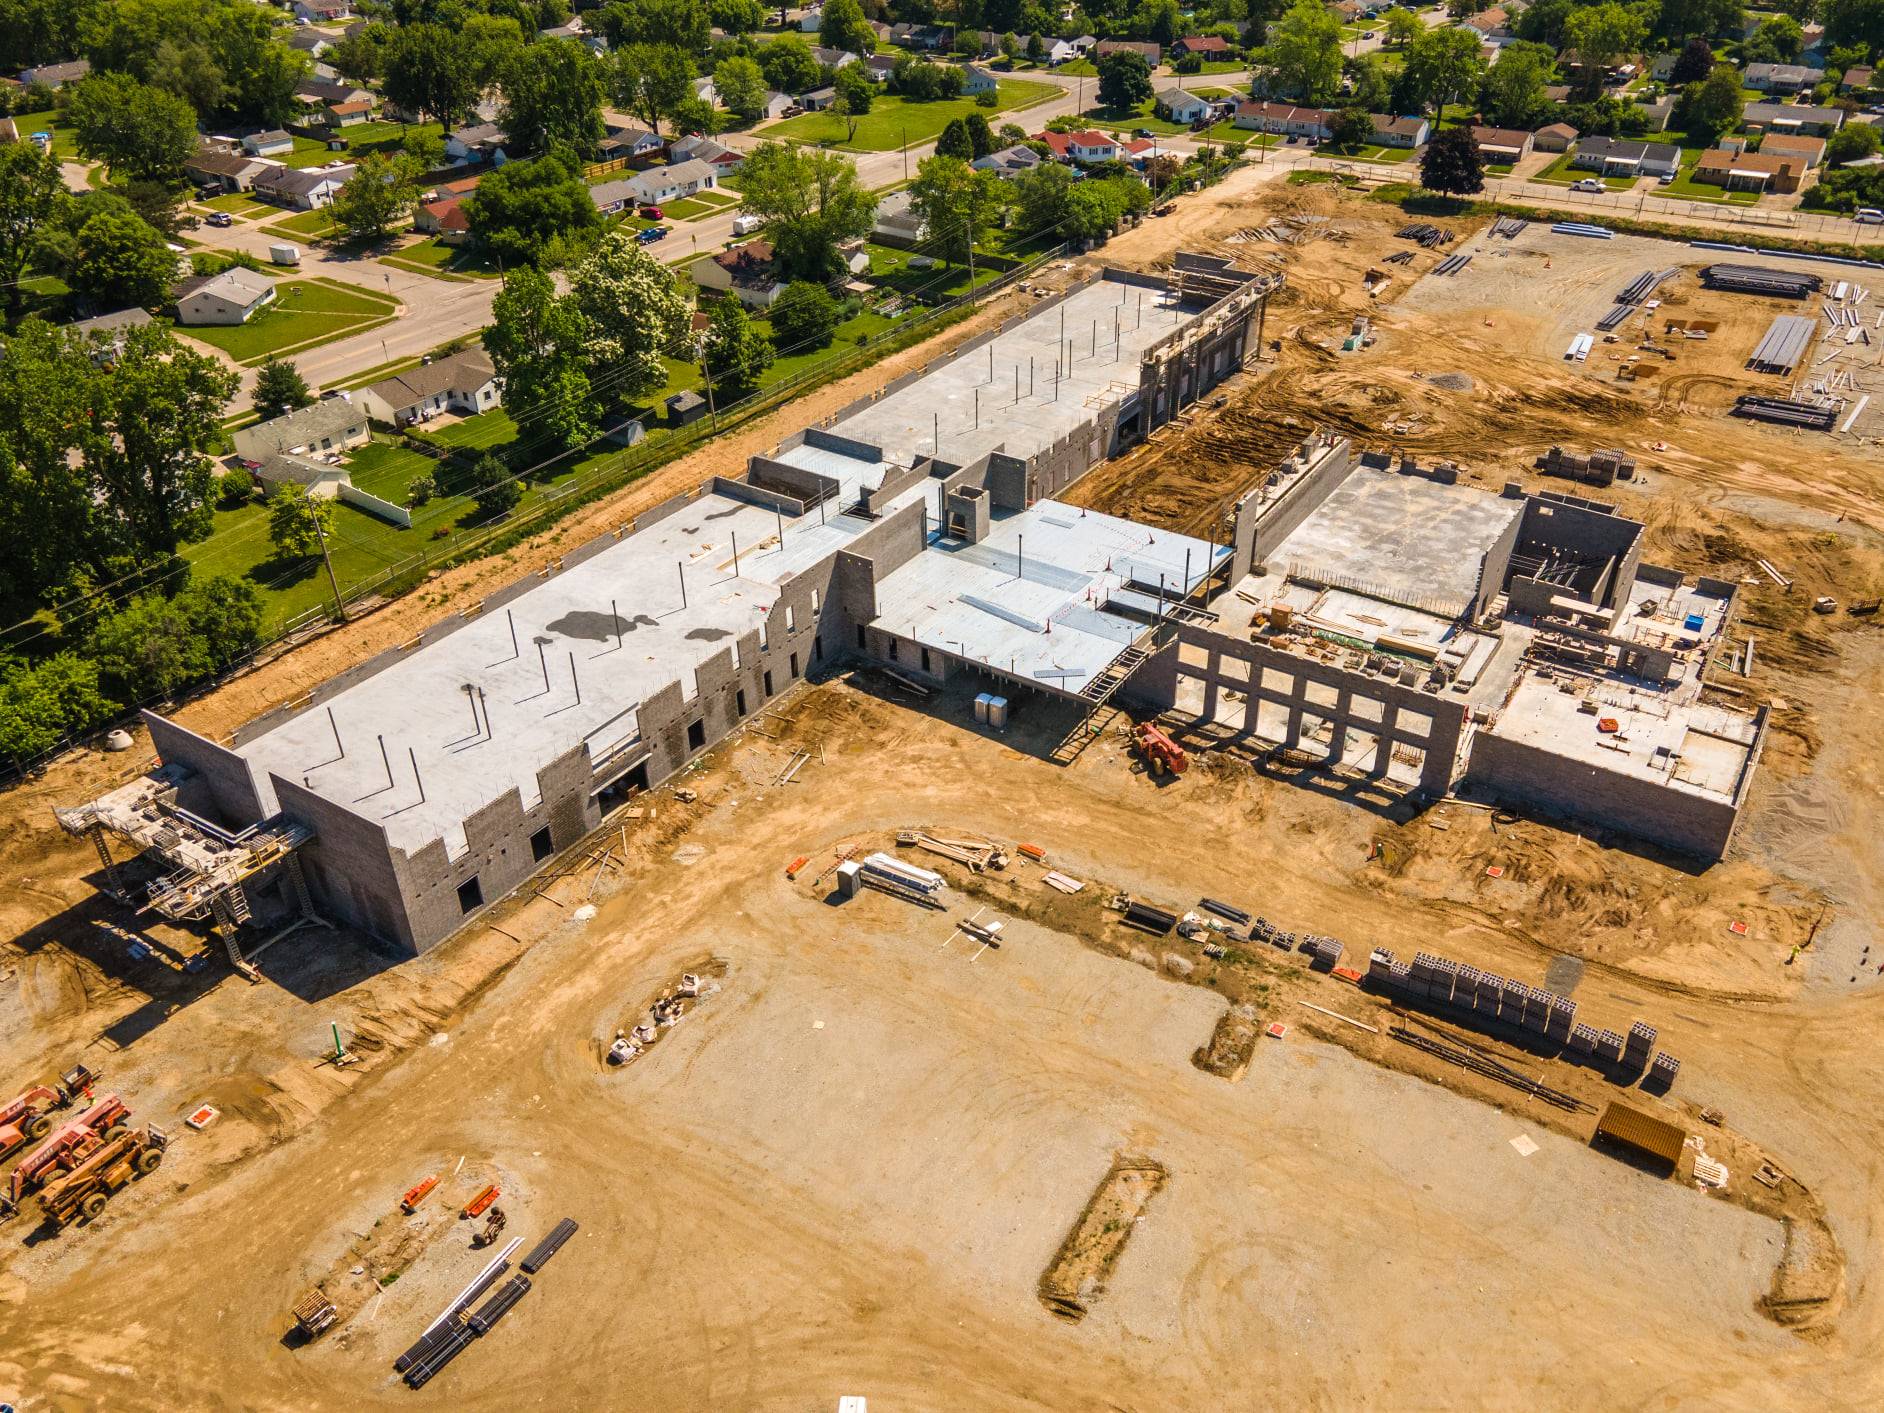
<point x="1160" y="753"/>
<point x="28" y="1118"/>
<point x="81" y="1194"/>
<point x="64" y="1149"/>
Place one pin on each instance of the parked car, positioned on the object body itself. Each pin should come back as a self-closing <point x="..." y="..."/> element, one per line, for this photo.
<point x="1868" y="216"/>
<point x="220" y="218"/>
<point x="652" y="234"/>
<point x="1142" y="132"/>
<point x="653" y="213"/>
<point x="1588" y="184"/>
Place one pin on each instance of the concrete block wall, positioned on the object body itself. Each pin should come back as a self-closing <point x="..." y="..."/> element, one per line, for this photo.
<point x="1262" y="525"/>
<point x="350" y="869"/>
<point x="222" y="786"/>
<point x="1573" y="527"/>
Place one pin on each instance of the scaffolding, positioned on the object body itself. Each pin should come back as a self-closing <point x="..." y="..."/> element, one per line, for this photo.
<point x="208" y="870"/>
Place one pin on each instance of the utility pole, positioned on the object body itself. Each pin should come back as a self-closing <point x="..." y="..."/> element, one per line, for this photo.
<point x="320" y="531"/>
<point x="712" y="411"/>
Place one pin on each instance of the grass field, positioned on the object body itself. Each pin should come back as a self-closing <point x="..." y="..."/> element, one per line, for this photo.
<point x="1372" y="153"/>
<point x="238" y="204"/>
<point x="1079" y="68"/>
<point x="305" y="313"/>
<point x="311" y="225"/>
<point x="1562" y="173"/>
<point x="1115" y="120"/>
<point x="686" y="209"/>
<point x="1684" y="185"/>
<point x="715" y="199"/>
<point x="446" y="262"/>
<point x="64" y="141"/>
<point x="893" y="123"/>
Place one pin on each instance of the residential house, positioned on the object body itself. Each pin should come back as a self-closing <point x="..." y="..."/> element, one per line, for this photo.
<point x="673" y="182"/>
<point x="747" y="272"/>
<point x="105" y="333"/>
<point x="832" y="58"/>
<point x="445" y="219"/>
<point x="303" y="189"/>
<point x="1082" y="149"/>
<point x="483" y="142"/>
<point x="1811" y="150"/>
<point x="1009" y="161"/>
<point x="817" y="100"/>
<point x="1083" y="44"/>
<point x="310" y="42"/>
<point x="1285" y="119"/>
<point x="897" y="222"/>
<point x="1658" y="112"/>
<point x="56" y="75"/>
<point x="856" y="256"/>
<point x="321" y="93"/>
<point x="1136" y="152"/>
<point x="1494" y="23"/>
<point x="1501" y="145"/>
<point x="272" y="143"/>
<point x="1750" y="171"/>
<point x="224" y="171"/>
<point x="1626" y="157"/>
<point x="464" y="383"/>
<point x="1781" y="78"/>
<point x="632" y="144"/>
<point x="812" y="20"/>
<point x="322" y="12"/>
<point x="921" y="37"/>
<point x="1152" y="53"/>
<point x="349" y="114"/>
<point x="233" y="297"/>
<point x="611" y="197"/>
<point x="1792" y="117"/>
<point x="1390" y="131"/>
<point x="1557" y="137"/>
<point x="1209" y="47"/>
<point x="1055" y="52"/>
<point x="321" y="429"/>
<point x="704" y="90"/>
<point x="977" y="80"/>
<point x="880" y="66"/>
<point x="724" y="159"/>
<point x="1858" y="78"/>
<point x="1182" y="107"/>
<point x="777" y="105"/>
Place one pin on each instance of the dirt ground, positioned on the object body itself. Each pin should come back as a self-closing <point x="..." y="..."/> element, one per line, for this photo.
<point x="847" y="1170"/>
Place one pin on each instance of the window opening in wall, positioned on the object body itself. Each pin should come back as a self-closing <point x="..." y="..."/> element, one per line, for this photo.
<point x="814" y="600"/>
<point x="768" y="682"/>
<point x="794" y="666"/>
<point x="696" y="735"/>
<point x="925" y="659"/>
<point x="765" y="638"/>
<point x="817" y="649"/>
<point x="892" y="650"/>
<point x="791" y="619"/>
<point x="470" y="896"/>
<point x="860" y="637"/>
<point x="739" y="701"/>
<point x="540" y="845"/>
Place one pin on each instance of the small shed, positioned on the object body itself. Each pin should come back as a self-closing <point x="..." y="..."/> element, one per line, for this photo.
<point x="1655" y="1140"/>
<point x="685" y="406"/>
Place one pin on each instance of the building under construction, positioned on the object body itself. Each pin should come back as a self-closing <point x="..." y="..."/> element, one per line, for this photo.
<point x="917" y="529"/>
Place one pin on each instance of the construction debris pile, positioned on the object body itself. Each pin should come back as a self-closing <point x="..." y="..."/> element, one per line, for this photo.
<point x="1602" y="467"/>
<point x="1425" y="234"/>
<point x="666" y="1012"/>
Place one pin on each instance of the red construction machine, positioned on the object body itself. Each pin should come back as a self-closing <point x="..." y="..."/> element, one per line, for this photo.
<point x="28" y="1118"/>
<point x="1160" y="753"/>
<point x="65" y="1149"/>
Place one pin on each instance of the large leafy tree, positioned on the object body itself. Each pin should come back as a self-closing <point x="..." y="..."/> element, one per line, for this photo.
<point x="735" y="350"/>
<point x="1303" y="56"/>
<point x="31" y="190"/>
<point x="539" y="342"/>
<point x="1512" y="95"/>
<point x="223" y="56"/>
<point x="1693" y="64"/>
<point x="429" y="72"/>
<point x="842" y="26"/>
<point x="811" y="202"/>
<point x="379" y="195"/>
<point x="789" y="64"/>
<point x="1041" y="197"/>
<point x="553" y="93"/>
<point x="154" y="645"/>
<point x="148" y="447"/>
<point x="34" y="32"/>
<point x="139" y="132"/>
<point x="1125" y="80"/>
<point x="684" y="24"/>
<point x="535" y="212"/>
<point x="118" y="260"/>
<point x="43" y="704"/>
<point x="298" y="522"/>
<point x="1602" y="34"/>
<point x="492" y="486"/>
<point x="955" y="202"/>
<point x="1442" y="66"/>
<point x="740" y="84"/>
<point x="805" y="316"/>
<point x="634" y="310"/>
<point x="1451" y="164"/>
<point x="1711" y="107"/>
<point x="1856" y="22"/>
<point x="652" y="81"/>
<point x="1680" y="19"/>
<point x="280" y="388"/>
<point x="49" y="389"/>
<point x="737" y="17"/>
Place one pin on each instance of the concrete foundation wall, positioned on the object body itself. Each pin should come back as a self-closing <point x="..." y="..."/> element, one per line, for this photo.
<point x="1571" y="527"/>
<point x="1262" y="525"/>
<point x="223" y="786"/>
<point x="1557" y="784"/>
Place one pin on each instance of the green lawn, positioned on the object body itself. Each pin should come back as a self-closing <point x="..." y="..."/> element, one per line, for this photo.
<point x="890" y="269"/>
<point x="893" y="122"/>
<point x="1684" y="185"/>
<point x="1212" y="94"/>
<point x="685" y="209"/>
<point x="1079" y="68"/>
<point x="238" y="204"/>
<point x="309" y="153"/>
<point x="1562" y="173"/>
<point x="305" y="313"/>
<point x="64" y="140"/>
<point x="388" y="469"/>
<point x="853" y="332"/>
<point x="1372" y="152"/>
<point x="1115" y="120"/>
<point x="1222" y="66"/>
<point x="1228" y="132"/>
<point x="311" y="224"/>
<point x="447" y="262"/>
<point x="714" y="198"/>
<point x="384" y="137"/>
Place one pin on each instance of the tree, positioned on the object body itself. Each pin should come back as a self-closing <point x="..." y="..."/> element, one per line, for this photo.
<point x="1124" y="80"/>
<point x="279" y="388"/>
<point x="553" y="95"/>
<point x="539" y="342"/>
<point x="42" y="705"/>
<point x="138" y="132"/>
<point x="1695" y="62"/>
<point x="154" y="646"/>
<point x="737" y="16"/>
<point x="1858" y="22"/>
<point x="1451" y="164"/>
<point x="237" y="487"/>
<point x="811" y="202"/>
<point x="789" y="64"/>
<point x="955" y="203"/>
<point x="980" y="135"/>
<point x="158" y="415"/>
<point x="31" y="189"/>
<point x="856" y="92"/>
<point x="1369" y="87"/>
<point x="1711" y="107"/>
<point x="298" y="521"/>
<point x="493" y="489"/>
<point x="842" y="26"/>
<point x="954" y="141"/>
<point x="1512" y="95"/>
<point x="1351" y="129"/>
<point x="1011" y="48"/>
<point x="1041" y="198"/>
<point x="1303" y="56"/>
<point x="736" y="352"/>
<point x="1850" y="143"/>
<point x="681" y="23"/>
<point x="380" y="194"/>
<point x="1778" y="40"/>
<point x="1441" y="65"/>
<point x="429" y="72"/>
<point x="741" y="86"/>
<point x="360" y="57"/>
<point x="489" y="44"/>
<point x="223" y="57"/>
<point x="652" y="81"/>
<point x="634" y="310"/>
<point x="804" y="316"/>
<point x="117" y="260"/>
<point x="49" y="516"/>
<point x="1036" y="47"/>
<point x="1403" y="27"/>
<point x="1602" y="34"/>
<point x="1679" y="19"/>
<point x="534" y="212"/>
<point x="1545" y="22"/>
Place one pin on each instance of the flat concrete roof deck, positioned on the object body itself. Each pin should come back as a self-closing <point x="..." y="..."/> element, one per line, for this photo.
<point x="1708" y="746"/>
<point x="1402" y="538"/>
<point x="1027" y="600"/>
<point x="974" y="414"/>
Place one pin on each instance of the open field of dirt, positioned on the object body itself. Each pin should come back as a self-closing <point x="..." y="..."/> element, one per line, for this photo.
<point x="847" y="1170"/>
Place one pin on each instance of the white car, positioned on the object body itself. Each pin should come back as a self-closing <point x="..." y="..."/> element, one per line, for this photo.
<point x="1868" y="216"/>
<point x="1588" y="184"/>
